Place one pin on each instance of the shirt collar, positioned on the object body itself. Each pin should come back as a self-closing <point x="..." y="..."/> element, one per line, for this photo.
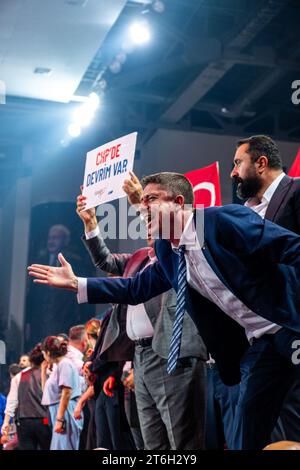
<point x="272" y="188"/>
<point x="75" y="351"/>
<point x="268" y="193"/>
<point x="152" y="255"/>
<point x="189" y="236"/>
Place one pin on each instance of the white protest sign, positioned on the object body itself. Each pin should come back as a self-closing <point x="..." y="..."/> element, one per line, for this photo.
<point x="106" y="168"/>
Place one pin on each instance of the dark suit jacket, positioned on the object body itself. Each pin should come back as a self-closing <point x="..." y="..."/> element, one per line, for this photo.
<point x="284" y="206"/>
<point x="237" y="243"/>
<point x="160" y="309"/>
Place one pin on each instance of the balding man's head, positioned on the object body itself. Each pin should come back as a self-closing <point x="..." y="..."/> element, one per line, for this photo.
<point x="58" y="238"/>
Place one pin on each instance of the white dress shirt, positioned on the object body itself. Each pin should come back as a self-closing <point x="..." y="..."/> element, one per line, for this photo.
<point x="202" y="278"/>
<point x="261" y="206"/>
<point x="76" y="357"/>
<point x="138" y="324"/>
<point x="92" y="233"/>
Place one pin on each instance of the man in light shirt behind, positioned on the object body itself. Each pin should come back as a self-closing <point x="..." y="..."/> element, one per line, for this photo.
<point x="77" y="346"/>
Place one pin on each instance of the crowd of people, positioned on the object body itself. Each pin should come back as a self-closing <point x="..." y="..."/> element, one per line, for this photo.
<point x="45" y="406"/>
<point x="196" y="349"/>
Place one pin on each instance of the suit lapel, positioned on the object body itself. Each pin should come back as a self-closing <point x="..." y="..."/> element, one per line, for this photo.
<point x="278" y="197"/>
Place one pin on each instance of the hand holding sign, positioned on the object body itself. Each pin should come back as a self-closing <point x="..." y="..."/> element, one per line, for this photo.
<point x="106" y="168"/>
<point x="88" y="216"/>
<point x="133" y="189"/>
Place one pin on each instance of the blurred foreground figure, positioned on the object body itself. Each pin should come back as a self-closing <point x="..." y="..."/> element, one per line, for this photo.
<point x="283" y="445"/>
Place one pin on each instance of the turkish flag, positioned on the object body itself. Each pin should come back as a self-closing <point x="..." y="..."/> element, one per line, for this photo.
<point x="206" y="184"/>
<point x="295" y="168"/>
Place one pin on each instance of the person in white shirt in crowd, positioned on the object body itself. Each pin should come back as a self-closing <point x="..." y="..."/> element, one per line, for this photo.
<point x="33" y="428"/>
<point x="12" y="397"/>
<point x="60" y="393"/>
<point x="13" y="370"/>
<point x="92" y="328"/>
<point x="77" y="346"/>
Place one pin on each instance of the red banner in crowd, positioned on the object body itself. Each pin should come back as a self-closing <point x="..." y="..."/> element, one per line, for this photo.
<point x="206" y="184"/>
<point x="295" y="168"/>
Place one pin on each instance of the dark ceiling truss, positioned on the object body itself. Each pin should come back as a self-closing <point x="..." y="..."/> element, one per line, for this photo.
<point x="220" y="59"/>
<point x="155" y="96"/>
<point x="215" y="71"/>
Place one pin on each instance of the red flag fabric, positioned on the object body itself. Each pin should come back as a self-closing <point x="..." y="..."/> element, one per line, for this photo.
<point x="206" y="184"/>
<point x="295" y="168"/>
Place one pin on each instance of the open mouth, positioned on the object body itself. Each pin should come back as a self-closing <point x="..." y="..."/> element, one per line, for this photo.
<point x="146" y="217"/>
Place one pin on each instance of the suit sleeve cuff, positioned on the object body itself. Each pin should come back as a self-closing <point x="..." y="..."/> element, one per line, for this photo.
<point x="93" y="233"/>
<point x="82" y="297"/>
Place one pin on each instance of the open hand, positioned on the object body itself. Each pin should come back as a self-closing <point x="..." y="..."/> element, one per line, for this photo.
<point x="59" y="427"/>
<point x="4" y="429"/>
<point x="62" y="277"/>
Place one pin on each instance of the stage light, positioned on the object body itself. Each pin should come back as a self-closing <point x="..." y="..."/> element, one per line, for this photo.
<point x="83" y="115"/>
<point x="115" y="67"/>
<point x="128" y="46"/>
<point x="158" y="6"/>
<point x="139" y="32"/>
<point x="93" y="101"/>
<point x="74" y="130"/>
<point x="121" y="57"/>
<point x="102" y="84"/>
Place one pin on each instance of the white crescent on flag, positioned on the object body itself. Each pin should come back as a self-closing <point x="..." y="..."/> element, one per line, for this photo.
<point x="209" y="187"/>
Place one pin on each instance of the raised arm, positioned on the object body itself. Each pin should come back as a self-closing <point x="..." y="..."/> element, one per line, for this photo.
<point x="138" y="289"/>
<point x="98" y="251"/>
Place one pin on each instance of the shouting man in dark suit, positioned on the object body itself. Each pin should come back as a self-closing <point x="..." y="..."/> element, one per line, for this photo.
<point x="275" y="196"/>
<point x="171" y="408"/>
<point x="237" y="276"/>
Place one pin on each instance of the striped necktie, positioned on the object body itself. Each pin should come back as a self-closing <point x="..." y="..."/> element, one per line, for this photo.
<point x="180" y="309"/>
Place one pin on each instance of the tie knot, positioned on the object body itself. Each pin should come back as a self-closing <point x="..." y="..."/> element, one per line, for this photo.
<point x="181" y="250"/>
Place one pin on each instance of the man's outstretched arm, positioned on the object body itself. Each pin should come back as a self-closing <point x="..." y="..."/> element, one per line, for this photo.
<point x="138" y="289"/>
<point x="132" y="290"/>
